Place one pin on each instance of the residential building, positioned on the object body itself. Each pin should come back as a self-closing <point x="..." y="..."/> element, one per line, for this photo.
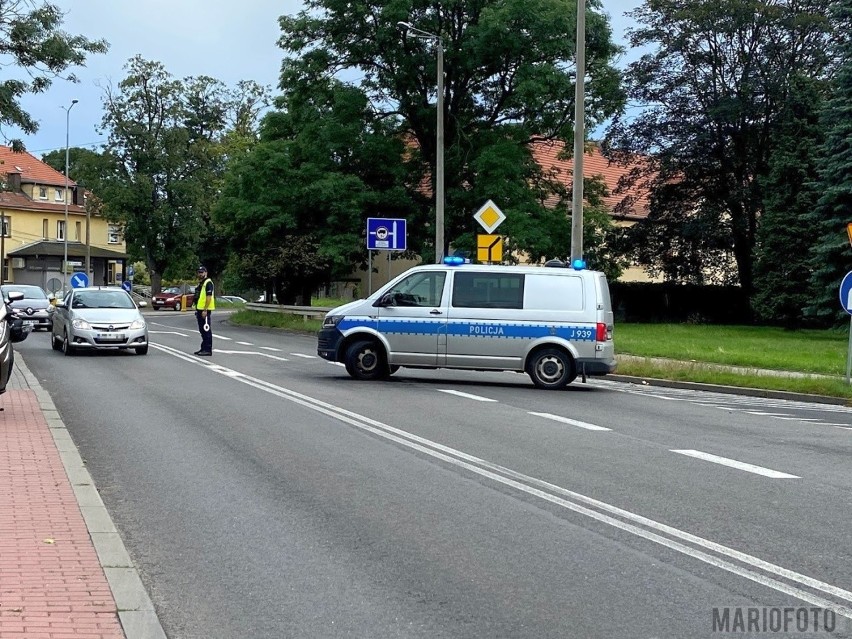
<point x="34" y="238"/>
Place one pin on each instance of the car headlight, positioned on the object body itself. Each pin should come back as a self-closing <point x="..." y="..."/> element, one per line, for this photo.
<point x="81" y="324"/>
<point x="331" y="321"/>
<point x="137" y="324"/>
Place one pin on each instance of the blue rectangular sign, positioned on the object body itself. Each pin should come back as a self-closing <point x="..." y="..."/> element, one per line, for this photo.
<point x="385" y="234"/>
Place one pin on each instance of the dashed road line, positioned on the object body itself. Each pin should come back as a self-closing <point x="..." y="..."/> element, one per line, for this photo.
<point x="280" y="359"/>
<point x="733" y="463"/>
<point x="303" y="356"/>
<point x="572" y="422"/>
<point x="245" y="343"/>
<point x="477" y="398"/>
<point x="271" y="348"/>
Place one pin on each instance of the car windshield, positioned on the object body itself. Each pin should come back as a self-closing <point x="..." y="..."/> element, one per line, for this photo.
<point x="172" y="290"/>
<point x="30" y="292"/>
<point x="102" y="299"/>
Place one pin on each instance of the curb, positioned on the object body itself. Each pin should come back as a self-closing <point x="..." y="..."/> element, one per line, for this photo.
<point x="135" y="609"/>
<point x="732" y="390"/>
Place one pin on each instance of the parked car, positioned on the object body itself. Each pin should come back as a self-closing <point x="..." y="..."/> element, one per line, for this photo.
<point x="172" y="297"/>
<point x="34" y="308"/>
<point x="12" y="329"/>
<point x="98" y="318"/>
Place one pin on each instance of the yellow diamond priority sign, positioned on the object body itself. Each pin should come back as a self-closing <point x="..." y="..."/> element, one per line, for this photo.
<point x="489" y="216"/>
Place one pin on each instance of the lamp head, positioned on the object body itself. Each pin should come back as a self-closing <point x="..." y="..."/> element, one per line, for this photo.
<point x="74" y="101"/>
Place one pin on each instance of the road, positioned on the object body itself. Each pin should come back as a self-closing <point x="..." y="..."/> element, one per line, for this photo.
<point x="263" y="493"/>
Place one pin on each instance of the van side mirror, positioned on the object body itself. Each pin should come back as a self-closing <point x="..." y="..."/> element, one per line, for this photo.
<point x="387" y="299"/>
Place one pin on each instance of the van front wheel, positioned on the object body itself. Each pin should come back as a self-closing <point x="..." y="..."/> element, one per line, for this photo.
<point x="366" y="361"/>
<point x="550" y="369"/>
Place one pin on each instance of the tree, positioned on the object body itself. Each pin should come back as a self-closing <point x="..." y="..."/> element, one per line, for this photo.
<point x="509" y="83"/>
<point x="713" y="91"/>
<point x="167" y="153"/>
<point x="31" y="38"/>
<point x="831" y="255"/>
<point x="784" y="239"/>
<point x="292" y="205"/>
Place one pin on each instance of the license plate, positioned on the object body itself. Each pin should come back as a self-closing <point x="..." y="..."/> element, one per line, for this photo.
<point x="29" y="322"/>
<point x="111" y="336"/>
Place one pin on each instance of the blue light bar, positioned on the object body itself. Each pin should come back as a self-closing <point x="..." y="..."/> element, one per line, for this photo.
<point x="454" y="260"/>
<point x="578" y="265"/>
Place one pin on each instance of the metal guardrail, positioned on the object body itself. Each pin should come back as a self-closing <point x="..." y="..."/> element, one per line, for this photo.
<point x="307" y="312"/>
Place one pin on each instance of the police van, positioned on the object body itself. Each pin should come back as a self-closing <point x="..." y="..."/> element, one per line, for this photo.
<point x="551" y="323"/>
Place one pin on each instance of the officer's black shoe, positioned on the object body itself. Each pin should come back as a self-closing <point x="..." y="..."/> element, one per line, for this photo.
<point x="198" y="352"/>
<point x="204" y="353"/>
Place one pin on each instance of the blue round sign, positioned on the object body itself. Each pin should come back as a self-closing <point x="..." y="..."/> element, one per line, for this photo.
<point x="79" y="280"/>
<point x="126" y="285"/>
<point x="846" y="293"/>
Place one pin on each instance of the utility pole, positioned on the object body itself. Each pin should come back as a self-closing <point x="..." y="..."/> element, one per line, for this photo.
<point x="579" y="137"/>
<point x="65" y="231"/>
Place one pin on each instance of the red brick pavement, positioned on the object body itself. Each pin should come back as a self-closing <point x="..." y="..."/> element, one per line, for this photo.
<point x="51" y="583"/>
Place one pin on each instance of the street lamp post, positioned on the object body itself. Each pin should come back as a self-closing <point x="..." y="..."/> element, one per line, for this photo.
<point x="439" y="149"/>
<point x="579" y="137"/>
<point x="65" y="231"/>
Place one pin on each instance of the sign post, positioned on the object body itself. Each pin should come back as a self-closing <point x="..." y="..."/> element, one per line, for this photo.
<point x="383" y="234"/>
<point x="846" y="303"/>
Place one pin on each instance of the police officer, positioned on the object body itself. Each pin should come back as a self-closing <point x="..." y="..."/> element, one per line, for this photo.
<point x="205" y="302"/>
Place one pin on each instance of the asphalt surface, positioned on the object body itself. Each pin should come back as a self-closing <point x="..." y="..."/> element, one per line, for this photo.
<point x="263" y="493"/>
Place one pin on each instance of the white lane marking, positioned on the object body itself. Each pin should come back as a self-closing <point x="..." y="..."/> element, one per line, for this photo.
<point x="245" y="343"/>
<point x="760" y="412"/>
<point x="733" y="463"/>
<point x="227" y="339"/>
<point x="338" y="363"/>
<point x="477" y="398"/>
<point x="280" y="359"/>
<point x="270" y="348"/>
<point x="839" y="426"/>
<point x="168" y="333"/>
<point x="303" y="356"/>
<point x="561" y="496"/>
<point x="799" y="419"/>
<point x="573" y="422"/>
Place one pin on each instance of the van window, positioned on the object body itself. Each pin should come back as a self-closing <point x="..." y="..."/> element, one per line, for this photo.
<point x="420" y="289"/>
<point x="488" y="290"/>
<point x="555" y="293"/>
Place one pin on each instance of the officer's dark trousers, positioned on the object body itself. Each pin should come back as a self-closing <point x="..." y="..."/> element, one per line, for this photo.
<point x="206" y="336"/>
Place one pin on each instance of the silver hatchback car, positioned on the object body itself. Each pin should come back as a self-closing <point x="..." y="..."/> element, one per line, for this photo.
<point x="98" y="318"/>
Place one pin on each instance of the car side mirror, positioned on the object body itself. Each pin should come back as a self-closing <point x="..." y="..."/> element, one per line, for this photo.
<point x="15" y="296"/>
<point x="385" y="300"/>
<point x="60" y="303"/>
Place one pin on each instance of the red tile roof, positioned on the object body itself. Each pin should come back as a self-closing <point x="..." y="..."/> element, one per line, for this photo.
<point x="32" y="171"/>
<point x="13" y="200"/>
<point x="547" y="155"/>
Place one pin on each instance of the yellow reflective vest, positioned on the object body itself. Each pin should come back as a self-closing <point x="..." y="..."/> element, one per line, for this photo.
<point x="200" y="302"/>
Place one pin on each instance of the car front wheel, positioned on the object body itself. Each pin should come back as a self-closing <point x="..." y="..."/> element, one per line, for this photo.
<point x="55" y="344"/>
<point x="67" y="349"/>
<point x="178" y="306"/>
<point x="365" y="360"/>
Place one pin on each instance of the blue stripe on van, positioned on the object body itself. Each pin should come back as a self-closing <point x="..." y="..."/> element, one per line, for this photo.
<point x="468" y="328"/>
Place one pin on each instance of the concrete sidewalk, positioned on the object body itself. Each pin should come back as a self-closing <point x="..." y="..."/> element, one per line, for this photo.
<point x="64" y="571"/>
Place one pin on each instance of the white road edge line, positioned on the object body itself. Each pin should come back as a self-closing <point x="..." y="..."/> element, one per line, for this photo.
<point x="733" y="463"/>
<point x="572" y="422"/>
<point x="477" y="398"/>
<point x="303" y="356"/>
<point x="271" y="348"/>
<point x="280" y="359"/>
<point x="167" y="333"/>
<point x="560" y="496"/>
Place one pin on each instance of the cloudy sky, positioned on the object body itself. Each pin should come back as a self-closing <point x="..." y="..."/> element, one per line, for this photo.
<point x="226" y="40"/>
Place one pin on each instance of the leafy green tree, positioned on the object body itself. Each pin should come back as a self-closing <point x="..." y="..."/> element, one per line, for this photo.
<point x="784" y="239"/>
<point x="292" y="206"/>
<point x="509" y="83"/>
<point x="713" y="90"/>
<point x="166" y="154"/>
<point x="831" y="255"/>
<point x="32" y="39"/>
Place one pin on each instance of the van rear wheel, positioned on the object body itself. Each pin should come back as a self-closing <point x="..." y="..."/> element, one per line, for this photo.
<point x="365" y="360"/>
<point x="551" y="369"/>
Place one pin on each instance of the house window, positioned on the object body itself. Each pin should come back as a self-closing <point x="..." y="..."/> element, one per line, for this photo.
<point x="42" y="192"/>
<point x="113" y="234"/>
<point x="78" y="226"/>
<point x="6" y="226"/>
<point x="44" y="227"/>
<point x="60" y="230"/>
<point x="58" y="197"/>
